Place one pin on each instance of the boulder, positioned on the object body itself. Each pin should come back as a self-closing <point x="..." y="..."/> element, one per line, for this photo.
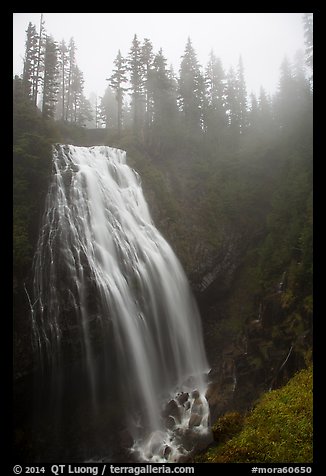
<point x="167" y="452"/>
<point x="172" y="409"/>
<point x="170" y="422"/>
<point x="182" y="398"/>
<point x="195" y="394"/>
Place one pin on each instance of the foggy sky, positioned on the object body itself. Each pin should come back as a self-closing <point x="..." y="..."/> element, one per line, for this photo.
<point x="263" y="39"/>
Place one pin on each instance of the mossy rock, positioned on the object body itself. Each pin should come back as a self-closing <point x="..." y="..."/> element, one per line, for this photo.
<point x="227" y="426"/>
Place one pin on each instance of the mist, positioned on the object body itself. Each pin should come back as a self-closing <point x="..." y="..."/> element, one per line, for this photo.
<point x="263" y="39"/>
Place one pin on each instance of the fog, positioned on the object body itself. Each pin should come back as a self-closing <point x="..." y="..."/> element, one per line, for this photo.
<point x="263" y="39"/>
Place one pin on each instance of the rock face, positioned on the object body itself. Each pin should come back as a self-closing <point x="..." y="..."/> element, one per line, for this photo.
<point x="260" y="357"/>
<point x="216" y="269"/>
<point x="247" y="336"/>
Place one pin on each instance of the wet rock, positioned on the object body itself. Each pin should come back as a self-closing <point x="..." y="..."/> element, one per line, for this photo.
<point x="173" y="410"/>
<point x="211" y="391"/>
<point x="203" y="441"/>
<point x="195" y="420"/>
<point x="197" y="406"/>
<point x="187" y="405"/>
<point x="167" y="452"/>
<point x="195" y="394"/>
<point x="170" y="422"/>
<point x="182" y="398"/>
<point x="188" y="439"/>
<point x="183" y="459"/>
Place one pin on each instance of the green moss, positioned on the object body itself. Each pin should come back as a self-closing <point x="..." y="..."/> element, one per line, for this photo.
<point x="227" y="426"/>
<point x="279" y="429"/>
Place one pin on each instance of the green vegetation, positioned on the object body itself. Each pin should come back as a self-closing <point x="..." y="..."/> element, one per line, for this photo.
<point x="32" y="141"/>
<point x="278" y="430"/>
<point x="227" y="426"/>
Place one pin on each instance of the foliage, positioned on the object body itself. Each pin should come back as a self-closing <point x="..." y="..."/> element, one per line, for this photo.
<point x="33" y="137"/>
<point x="117" y="80"/>
<point x="191" y="89"/>
<point x="227" y="426"/>
<point x="308" y="33"/>
<point x="50" y="82"/>
<point x="278" y="430"/>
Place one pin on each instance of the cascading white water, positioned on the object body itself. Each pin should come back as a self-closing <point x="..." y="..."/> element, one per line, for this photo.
<point x="100" y="255"/>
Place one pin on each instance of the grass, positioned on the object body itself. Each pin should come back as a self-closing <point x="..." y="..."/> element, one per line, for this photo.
<point x="279" y="428"/>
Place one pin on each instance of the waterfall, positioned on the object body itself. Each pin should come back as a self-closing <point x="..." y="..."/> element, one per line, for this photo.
<point x="110" y="293"/>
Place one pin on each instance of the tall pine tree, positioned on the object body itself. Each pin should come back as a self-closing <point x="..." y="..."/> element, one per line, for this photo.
<point x="191" y="90"/>
<point x="136" y="69"/>
<point x="308" y="36"/>
<point x="266" y="118"/>
<point x="241" y="97"/>
<point x="284" y="103"/>
<point x="50" y="82"/>
<point x="117" y="81"/>
<point x="39" y="60"/>
<point x="232" y="105"/>
<point x="63" y="68"/>
<point x="108" y="109"/>
<point x="215" y="111"/>
<point x="71" y="65"/>
<point x="147" y="57"/>
<point x="30" y="61"/>
<point x="164" y="107"/>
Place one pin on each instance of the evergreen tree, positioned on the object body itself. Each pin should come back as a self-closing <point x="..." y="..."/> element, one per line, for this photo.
<point x="232" y="104"/>
<point x="136" y="69"/>
<point x="265" y="104"/>
<point x="241" y="97"/>
<point x="260" y="125"/>
<point x="286" y="96"/>
<point x="17" y="90"/>
<point x="30" y="61"/>
<point x="308" y="34"/>
<point x="97" y="113"/>
<point x="174" y="87"/>
<point x="50" y="83"/>
<point x="77" y="97"/>
<point x="191" y="90"/>
<point x="293" y="102"/>
<point x="108" y="108"/>
<point x="84" y="112"/>
<point x="253" y="115"/>
<point x="147" y="57"/>
<point x="71" y="65"/>
<point x="164" y="107"/>
<point x="303" y="107"/>
<point x="266" y="120"/>
<point x="63" y="67"/>
<point x="236" y="100"/>
<point x="215" y="113"/>
<point x="39" y="60"/>
<point x="116" y="81"/>
<point x="94" y="117"/>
